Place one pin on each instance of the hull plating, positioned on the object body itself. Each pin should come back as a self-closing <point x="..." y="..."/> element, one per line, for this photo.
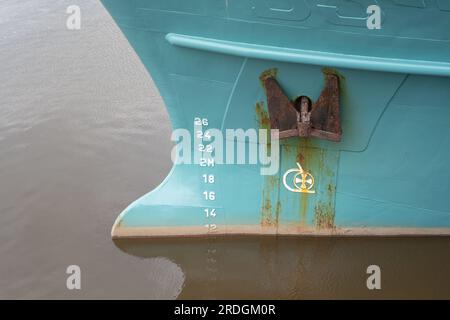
<point x="390" y="174"/>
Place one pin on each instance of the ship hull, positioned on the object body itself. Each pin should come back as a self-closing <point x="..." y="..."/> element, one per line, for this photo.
<point x="388" y="175"/>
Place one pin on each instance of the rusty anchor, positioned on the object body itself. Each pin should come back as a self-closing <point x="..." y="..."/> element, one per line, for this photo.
<point x="302" y="118"/>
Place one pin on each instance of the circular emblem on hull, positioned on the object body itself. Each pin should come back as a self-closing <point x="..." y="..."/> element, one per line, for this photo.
<point x="302" y="181"/>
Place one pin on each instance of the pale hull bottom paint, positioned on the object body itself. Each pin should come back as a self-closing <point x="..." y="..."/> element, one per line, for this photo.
<point x="163" y="232"/>
<point x="388" y="175"/>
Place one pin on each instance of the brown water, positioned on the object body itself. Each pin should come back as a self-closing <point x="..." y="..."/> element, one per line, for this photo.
<point x="83" y="132"/>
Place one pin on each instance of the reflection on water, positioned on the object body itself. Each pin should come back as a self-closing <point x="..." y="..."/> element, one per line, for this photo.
<point x="300" y="268"/>
<point x="83" y="132"/>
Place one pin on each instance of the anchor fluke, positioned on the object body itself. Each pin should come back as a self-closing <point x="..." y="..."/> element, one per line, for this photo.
<point x="302" y="118"/>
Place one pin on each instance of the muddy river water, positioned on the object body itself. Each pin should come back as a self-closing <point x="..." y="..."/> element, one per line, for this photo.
<point x="83" y="132"/>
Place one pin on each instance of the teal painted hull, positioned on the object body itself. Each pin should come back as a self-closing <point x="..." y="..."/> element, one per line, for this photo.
<point x="390" y="173"/>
